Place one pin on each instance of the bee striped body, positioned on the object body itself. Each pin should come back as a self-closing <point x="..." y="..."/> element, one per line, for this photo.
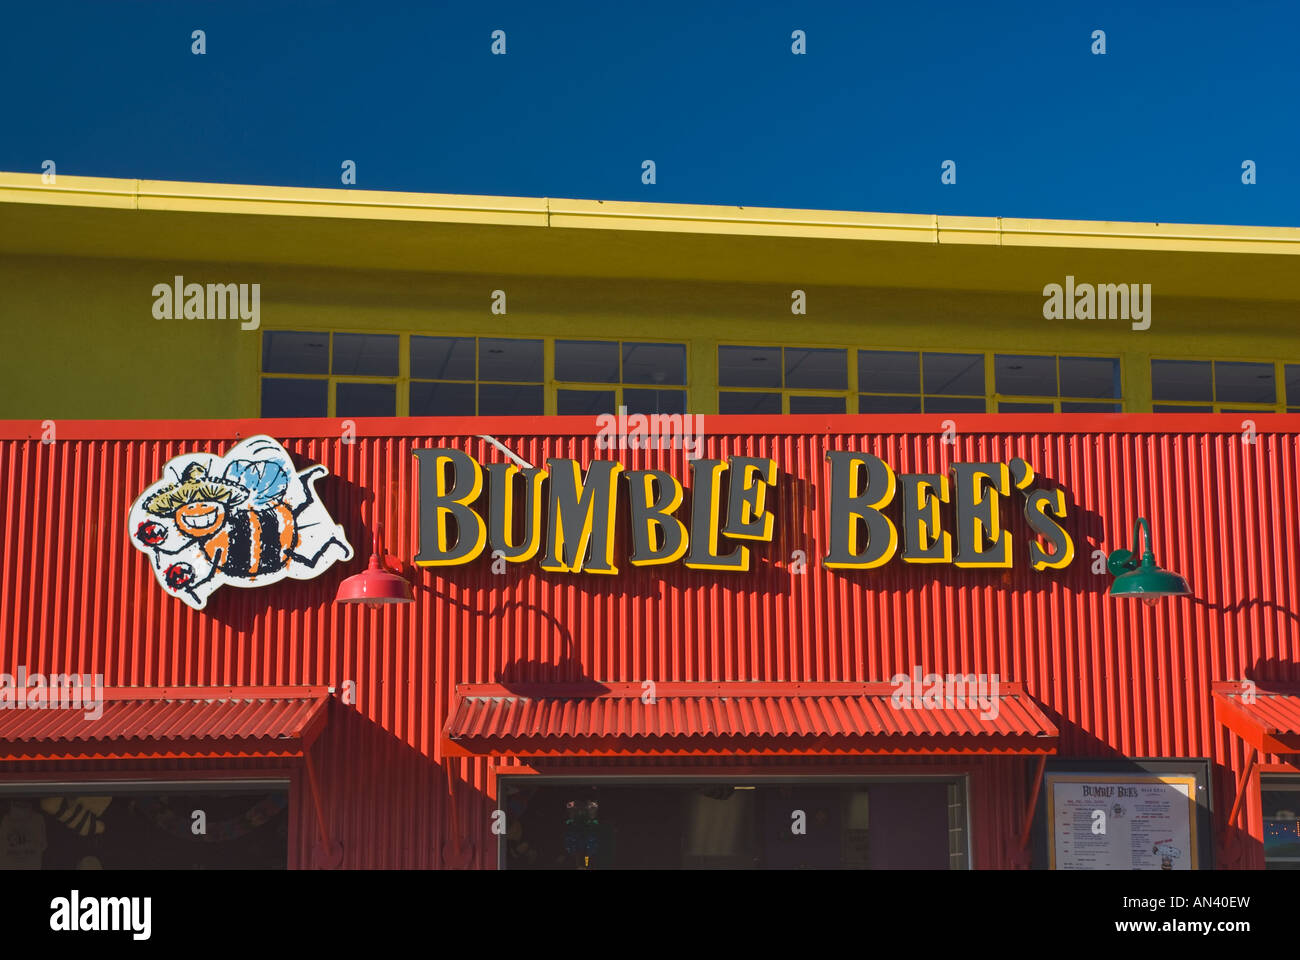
<point x="253" y="542"/>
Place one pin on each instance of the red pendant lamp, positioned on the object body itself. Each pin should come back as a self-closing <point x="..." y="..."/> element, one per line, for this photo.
<point x="375" y="585"/>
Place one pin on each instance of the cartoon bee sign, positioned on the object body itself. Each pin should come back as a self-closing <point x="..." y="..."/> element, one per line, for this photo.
<point x="248" y="519"/>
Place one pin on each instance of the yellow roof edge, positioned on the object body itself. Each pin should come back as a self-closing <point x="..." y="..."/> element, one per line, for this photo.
<point x="103" y="192"/>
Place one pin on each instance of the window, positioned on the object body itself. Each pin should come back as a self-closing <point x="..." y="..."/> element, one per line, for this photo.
<point x="305" y="373"/>
<point x="319" y="374"/>
<point x="122" y="825"/>
<point x="1051" y="384"/>
<point x="768" y="380"/>
<point x="774" y="379"/>
<point x="598" y="376"/>
<point x="1280" y="800"/>
<point x="1291" y="372"/>
<point x="368" y="355"/>
<point x="1213" y="386"/>
<point x="901" y="381"/>
<point x="874" y="823"/>
<point x="484" y="376"/>
<point x="291" y="352"/>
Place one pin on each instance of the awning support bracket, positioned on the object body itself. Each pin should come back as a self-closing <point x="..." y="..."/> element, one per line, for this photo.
<point x="453" y="854"/>
<point x="329" y="853"/>
<point x="1239" y="800"/>
<point x="1028" y="820"/>
<point x="1243" y="787"/>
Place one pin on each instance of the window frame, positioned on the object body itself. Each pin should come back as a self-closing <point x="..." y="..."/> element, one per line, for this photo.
<point x="549" y="384"/>
<point x="997" y="399"/>
<point x="851" y="372"/>
<point x="923" y="394"/>
<point x="1279" y="404"/>
<point x="991" y="398"/>
<point x="1288" y="404"/>
<point x="618" y="386"/>
<point x="477" y="381"/>
<point x="332" y="379"/>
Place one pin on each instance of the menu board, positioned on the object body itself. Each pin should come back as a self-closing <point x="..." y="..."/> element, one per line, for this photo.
<point x="1122" y="821"/>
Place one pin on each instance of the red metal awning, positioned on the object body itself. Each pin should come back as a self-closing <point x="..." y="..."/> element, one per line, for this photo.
<point x="737" y="719"/>
<point x="167" y="723"/>
<point x="1265" y="715"/>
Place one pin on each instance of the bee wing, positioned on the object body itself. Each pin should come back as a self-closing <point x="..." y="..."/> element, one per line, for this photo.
<point x="266" y="480"/>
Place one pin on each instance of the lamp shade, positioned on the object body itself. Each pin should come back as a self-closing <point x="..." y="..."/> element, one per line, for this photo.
<point x="1150" y="582"/>
<point x="374" y="585"/>
<point x="1136" y="575"/>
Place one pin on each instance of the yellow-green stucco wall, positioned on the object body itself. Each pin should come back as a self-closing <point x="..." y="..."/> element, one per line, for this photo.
<point x="81" y="341"/>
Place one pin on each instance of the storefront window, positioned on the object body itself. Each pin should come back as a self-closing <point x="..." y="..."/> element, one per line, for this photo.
<point x="813" y="824"/>
<point x="116" y="826"/>
<point x="1281" y="803"/>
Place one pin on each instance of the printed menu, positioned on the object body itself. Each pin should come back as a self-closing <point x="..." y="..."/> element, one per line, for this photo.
<point x="1122" y="822"/>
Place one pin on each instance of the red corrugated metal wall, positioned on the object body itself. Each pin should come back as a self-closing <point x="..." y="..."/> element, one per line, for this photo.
<point x="1120" y="678"/>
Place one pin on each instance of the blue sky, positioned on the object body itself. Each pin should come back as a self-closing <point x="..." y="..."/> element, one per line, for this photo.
<point x="1039" y="126"/>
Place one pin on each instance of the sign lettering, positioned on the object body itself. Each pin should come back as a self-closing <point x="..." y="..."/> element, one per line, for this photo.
<point x="731" y="509"/>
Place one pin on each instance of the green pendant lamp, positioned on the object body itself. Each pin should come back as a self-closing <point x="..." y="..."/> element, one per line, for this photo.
<point x="1142" y="578"/>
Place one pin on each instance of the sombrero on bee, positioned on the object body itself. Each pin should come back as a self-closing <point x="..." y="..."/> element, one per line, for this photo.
<point x="195" y="485"/>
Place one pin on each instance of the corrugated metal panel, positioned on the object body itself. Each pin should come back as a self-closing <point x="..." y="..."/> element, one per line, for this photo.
<point x="166" y="719"/>
<point x="488" y="711"/>
<point x="1117" y="678"/>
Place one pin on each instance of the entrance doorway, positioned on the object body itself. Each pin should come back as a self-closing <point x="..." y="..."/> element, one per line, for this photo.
<point x="760" y="823"/>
